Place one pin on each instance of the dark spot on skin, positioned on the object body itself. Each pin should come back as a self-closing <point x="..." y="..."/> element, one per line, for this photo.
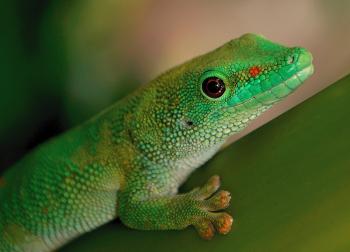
<point x="128" y="131"/>
<point x="189" y="123"/>
<point x="45" y="210"/>
<point x="186" y="123"/>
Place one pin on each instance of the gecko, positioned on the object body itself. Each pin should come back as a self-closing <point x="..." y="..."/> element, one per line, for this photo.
<point x="129" y="160"/>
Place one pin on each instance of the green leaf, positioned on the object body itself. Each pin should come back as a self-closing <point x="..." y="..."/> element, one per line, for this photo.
<point x="289" y="182"/>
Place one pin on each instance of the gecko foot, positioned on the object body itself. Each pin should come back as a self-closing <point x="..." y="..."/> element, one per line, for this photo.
<point x="210" y="201"/>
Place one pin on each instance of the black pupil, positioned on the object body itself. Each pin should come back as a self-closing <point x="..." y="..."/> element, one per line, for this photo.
<point x="213" y="87"/>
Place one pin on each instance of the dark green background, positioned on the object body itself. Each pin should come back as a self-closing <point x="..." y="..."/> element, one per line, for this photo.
<point x="32" y="74"/>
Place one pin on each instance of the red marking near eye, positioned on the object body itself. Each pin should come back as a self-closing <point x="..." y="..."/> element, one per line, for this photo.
<point x="254" y="71"/>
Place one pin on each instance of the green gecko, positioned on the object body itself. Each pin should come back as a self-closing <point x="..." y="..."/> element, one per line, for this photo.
<point x="129" y="160"/>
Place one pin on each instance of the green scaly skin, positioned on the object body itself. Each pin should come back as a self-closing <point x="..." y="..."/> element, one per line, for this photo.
<point x="129" y="160"/>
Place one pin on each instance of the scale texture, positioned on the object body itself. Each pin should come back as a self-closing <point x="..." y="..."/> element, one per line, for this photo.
<point x="128" y="161"/>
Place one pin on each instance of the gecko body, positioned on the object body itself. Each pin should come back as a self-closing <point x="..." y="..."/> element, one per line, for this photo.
<point x="128" y="161"/>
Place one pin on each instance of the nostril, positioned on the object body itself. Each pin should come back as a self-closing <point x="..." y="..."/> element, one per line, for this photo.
<point x="304" y="58"/>
<point x="291" y="59"/>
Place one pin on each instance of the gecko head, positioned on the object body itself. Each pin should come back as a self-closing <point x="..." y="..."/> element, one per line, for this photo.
<point x="196" y="106"/>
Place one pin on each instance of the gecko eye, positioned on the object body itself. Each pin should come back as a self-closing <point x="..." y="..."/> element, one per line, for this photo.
<point x="213" y="87"/>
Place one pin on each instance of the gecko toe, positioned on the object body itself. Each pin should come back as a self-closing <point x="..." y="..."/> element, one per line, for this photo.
<point x="218" y="201"/>
<point x="222" y="222"/>
<point x="205" y="229"/>
<point x="209" y="188"/>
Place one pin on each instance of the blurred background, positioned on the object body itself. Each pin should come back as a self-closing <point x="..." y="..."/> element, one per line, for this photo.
<point x="63" y="61"/>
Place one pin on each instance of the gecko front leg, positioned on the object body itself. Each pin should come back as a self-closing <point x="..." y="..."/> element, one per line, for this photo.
<point x="173" y="212"/>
